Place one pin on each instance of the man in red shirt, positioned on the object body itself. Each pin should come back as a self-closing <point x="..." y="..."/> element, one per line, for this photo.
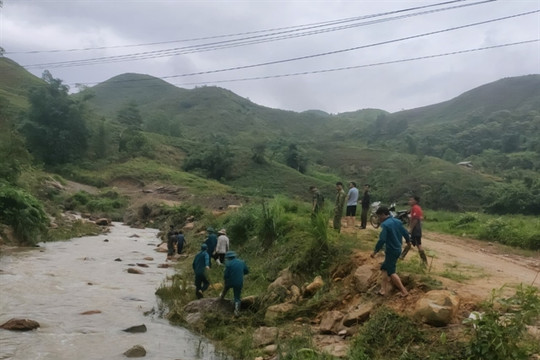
<point x="415" y="228"/>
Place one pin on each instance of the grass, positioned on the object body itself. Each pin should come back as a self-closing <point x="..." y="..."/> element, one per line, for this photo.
<point x="514" y="230"/>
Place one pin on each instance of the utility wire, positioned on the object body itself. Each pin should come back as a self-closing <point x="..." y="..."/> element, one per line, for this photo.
<point x="359" y="66"/>
<point x="299" y="27"/>
<point x="344" y="50"/>
<point x="224" y="44"/>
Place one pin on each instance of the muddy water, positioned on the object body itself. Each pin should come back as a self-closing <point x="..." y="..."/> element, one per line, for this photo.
<point x="55" y="283"/>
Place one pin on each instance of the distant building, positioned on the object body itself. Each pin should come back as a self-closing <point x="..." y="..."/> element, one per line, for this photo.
<point x="466" y="164"/>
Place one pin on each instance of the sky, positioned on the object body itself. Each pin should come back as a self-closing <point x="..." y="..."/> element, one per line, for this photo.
<point x="335" y="56"/>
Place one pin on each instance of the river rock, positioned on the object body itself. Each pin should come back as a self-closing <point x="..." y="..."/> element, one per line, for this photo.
<point x="315" y="286"/>
<point x="163" y="266"/>
<point x="265" y="336"/>
<point x="437" y="307"/>
<point x="134" y="271"/>
<point x="135" y="351"/>
<point x="102" y="222"/>
<point x="330" y="322"/>
<point x="117" y="259"/>
<point x="20" y="325"/>
<point x="91" y="312"/>
<point x="136" y="329"/>
<point x="148" y="258"/>
<point x="142" y="265"/>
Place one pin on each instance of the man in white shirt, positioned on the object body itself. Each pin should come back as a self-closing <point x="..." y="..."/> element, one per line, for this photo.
<point x="222" y="246"/>
<point x="352" y="201"/>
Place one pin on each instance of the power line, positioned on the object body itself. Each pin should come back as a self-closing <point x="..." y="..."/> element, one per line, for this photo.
<point x="361" y="66"/>
<point x="299" y="27"/>
<point x="224" y="44"/>
<point x="343" y="50"/>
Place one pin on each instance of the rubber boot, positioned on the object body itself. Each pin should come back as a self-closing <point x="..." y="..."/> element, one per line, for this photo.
<point x="423" y="257"/>
<point x="405" y="251"/>
<point x="237" y="309"/>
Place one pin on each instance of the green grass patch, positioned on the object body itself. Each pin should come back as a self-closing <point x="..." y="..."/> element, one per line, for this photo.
<point x="515" y="230"/>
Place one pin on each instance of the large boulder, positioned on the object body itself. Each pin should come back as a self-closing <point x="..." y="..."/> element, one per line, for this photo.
<point x="437" y="307"/>
<point x="364" y="277"/>
<point x="358" y="315"/>
<point x="284" y="280"/>
<point x="331" y="322"/>
<point x="265" y="336"/>
<point x="20" y="325"/>
<point x="275" y="312"/>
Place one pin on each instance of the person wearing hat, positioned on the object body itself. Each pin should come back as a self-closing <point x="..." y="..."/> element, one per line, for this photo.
<point x="222" y="246"/>
<point x="211" y="242"/>
<point x="235" y="269"/>
<point x="201" y="264"/>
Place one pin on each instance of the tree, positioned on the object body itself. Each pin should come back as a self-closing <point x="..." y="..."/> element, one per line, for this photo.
<point x="257" y="153"/>
<point x="13" y="153"/>
<point x="55" y="126"/>
<point x="216" y="161"/>
<point x="294" y="159"/>
<point x="129" y="115"/>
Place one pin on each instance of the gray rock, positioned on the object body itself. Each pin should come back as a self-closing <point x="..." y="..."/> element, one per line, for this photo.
<point x="136" y="329"/>
<point x="358" y="315"/>
<point x="20" y="325"/>
<point x="330" y="322"/>
<point x="135" y="351"/>
<point x="265" y="336"/>
<point x="437" y="307"/>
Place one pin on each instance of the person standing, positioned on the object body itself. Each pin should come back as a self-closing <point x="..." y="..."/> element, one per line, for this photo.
<point x="222" y="246"/>
<point x="392" y="231"/>
<point x="366" y="201"/>
<point x="171" y="240"/>
<point x="317" y="201"/>
<point x="235" y="269"/>
<point x="338" y="208"/>
<point x="211" y="243"/>
<point x="415" y="228"/>
<point x="352" y="202"/>
<point x="180" y="241"/>
<point x="201" y="264"/>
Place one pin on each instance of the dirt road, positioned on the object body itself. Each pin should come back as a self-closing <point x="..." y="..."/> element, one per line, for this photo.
<point x="478" y="265"/>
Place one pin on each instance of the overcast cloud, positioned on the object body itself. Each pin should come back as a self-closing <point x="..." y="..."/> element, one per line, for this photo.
<point x="44" y="25"/>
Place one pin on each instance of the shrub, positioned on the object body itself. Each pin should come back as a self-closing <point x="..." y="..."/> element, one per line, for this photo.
<point x="240" y="225"/>
<point x="24" y="213"/>
<point x="498" y="331"/>
<point x="387" y="335"/>
<point x="272" y="224"/>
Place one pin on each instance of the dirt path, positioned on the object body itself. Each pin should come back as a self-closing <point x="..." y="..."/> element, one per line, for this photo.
<point x="482" y="266"/>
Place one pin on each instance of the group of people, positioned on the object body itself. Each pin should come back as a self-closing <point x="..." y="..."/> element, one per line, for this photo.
<point x="217" y="248"/>
<point x="347" y="202"/>
<point x="392" y="232"/>
<point x="175" y="241"/>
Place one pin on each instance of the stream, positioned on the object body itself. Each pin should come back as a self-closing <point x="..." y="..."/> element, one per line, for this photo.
<point x="56" y="282"/>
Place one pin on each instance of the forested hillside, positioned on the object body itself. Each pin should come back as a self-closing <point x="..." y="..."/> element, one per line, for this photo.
<point x="209" y="140"/>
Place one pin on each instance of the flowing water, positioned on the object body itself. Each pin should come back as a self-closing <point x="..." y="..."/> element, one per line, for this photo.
<point x="55" y="283"/>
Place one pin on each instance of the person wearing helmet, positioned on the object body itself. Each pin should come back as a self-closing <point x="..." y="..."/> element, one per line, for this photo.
<point x="235" y="269"/>
<point x="201" y="264"/>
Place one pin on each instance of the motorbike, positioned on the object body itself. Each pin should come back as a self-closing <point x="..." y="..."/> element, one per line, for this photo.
<point x="402" y="215"/>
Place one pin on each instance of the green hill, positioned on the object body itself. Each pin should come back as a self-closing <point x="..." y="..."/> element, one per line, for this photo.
<point x="15" y="82"/>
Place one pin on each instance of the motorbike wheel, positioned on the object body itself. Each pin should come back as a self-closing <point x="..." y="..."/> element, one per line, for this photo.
<point x="374" y="221"/>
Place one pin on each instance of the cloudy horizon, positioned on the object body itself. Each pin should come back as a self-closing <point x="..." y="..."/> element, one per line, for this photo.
<point x="334" y="56"/>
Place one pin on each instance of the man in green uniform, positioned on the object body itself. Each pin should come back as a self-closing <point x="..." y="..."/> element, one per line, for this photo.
<point x="338" y="208"/>
<point x="235" y="269"/>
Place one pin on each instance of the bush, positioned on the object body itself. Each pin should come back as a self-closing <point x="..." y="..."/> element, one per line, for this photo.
<point x="24" y="213"/>
<point x="387" y="335"/>
<point x="241" y="225"/>
<point x="497" y="333"/>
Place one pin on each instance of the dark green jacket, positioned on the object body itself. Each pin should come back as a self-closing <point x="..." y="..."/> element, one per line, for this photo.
<point x="235" y="269"/>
